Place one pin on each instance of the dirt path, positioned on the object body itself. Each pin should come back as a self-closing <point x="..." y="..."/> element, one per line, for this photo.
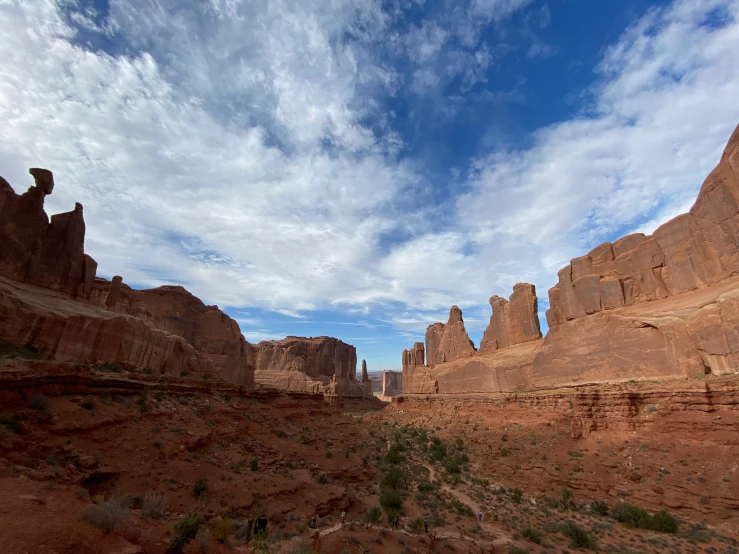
<point x="499" y="538"/>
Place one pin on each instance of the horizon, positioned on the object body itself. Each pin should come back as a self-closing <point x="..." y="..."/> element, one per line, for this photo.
<point x="355" y="169"/>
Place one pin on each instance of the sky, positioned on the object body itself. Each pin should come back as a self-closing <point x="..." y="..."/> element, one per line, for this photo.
<point x="353" y="168"/>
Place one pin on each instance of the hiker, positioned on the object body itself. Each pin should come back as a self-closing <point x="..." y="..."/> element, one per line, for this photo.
<point x="479" y="516"/>
<point x="343" y="518"/>
<point x="425" y="526"/>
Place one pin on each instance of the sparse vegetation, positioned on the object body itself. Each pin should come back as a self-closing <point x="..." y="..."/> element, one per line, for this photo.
<point x="106" y="515"/>
<point x="200" y="487"/>
<point x="153" y="505"/>
<point x="185" y="530"/>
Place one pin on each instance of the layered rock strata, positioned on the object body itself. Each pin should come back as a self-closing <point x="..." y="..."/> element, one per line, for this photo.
<point x="643" y="307"/>
<point x="308" y="365"/>
<point x="392" y="383"/>
<point x="176" y="311"/>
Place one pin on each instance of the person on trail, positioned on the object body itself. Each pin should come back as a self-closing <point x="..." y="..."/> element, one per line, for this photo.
<point x="343" y="517"/>
<point x="425" y="526"/>
<point x="479" y="516"/>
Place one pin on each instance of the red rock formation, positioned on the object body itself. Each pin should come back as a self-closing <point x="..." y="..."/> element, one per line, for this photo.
<point x="307" y="365"/>
<point x="643" y="307"/>
<point x="686" y="253"/>
<point x="513" y="322"/>
<point x="414" y="356"/>
<point x="392" y="383"/>
<point x="365" y="375"/>
<point x="34" y="250"/>
<point x="448" y="342"/>
<point x="174" y="310"/>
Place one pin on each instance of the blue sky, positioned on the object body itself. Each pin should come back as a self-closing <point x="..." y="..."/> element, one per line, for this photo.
<point x="354" y="168"/>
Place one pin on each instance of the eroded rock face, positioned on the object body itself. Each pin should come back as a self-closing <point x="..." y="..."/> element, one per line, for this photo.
<point x="448" y="342"/>
<point x="514" y="321"/>
<point x="365" y="375"/>
<point x="176" y="311"/>
<point x="664" y="306"/>
<point x="304" y="364"/>
<point x="688" y="252"/>
<point x="34" y="250"/>
<point x="392" y="383"/>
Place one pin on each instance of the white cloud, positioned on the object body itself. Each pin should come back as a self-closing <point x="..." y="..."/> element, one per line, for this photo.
<point x="290" y="313"/>
<point x="228" y="150"/>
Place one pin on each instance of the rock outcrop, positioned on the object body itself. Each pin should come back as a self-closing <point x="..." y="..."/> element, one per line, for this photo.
<point x="308" y="364"/>
<point x="34" y="250"/>
<point x="414" y="356"/>
<point x="176" y="311"/>
<point x="448" y="342"/>
<point x="392" y="383"/>
<point x="661" y="306"/>
<point x="365" y="375"/>
<point x="688" y="252"/>
<point x="514" y="321"/>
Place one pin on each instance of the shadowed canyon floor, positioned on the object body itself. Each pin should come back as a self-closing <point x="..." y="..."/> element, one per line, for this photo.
<point x="88" y="449"/>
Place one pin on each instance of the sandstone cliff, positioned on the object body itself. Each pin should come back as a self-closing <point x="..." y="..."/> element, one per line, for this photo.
<point x="642" y="307"/>
<point x="307" y="365"/>
<point x="34" y="250"/>
<point x="513" y="321"/>
<point x="392" y="383"/>
<point x="448" y="342"/>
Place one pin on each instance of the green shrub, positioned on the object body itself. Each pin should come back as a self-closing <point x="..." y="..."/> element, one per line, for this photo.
<point x="153" y="505"/>
<point x="518" y="550"/>
<point x="567" y="500"/>
<point x="664" y="522"/>
<point x="516" y="495"/>
<point x="185" y="530"/>
<point x="579" y="536"/>
<point x="322" y="479"/>
<point x="254" y="465"/>
<point x="631" y="516"/>
<point x="393" y="479"/>
<point x="391" y="501"/>
<point x="394" y="456"/>
<point x="374" y="515"/>
<point x="200" y="487"/>
<point x="147" y="371"/>
<point x="425" y="486"/>
<point x="533" y="535"/>
<point x="599" y="507"/>
<point x="110" y="367"/>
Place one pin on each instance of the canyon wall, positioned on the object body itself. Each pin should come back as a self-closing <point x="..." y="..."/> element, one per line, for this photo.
<point x="660" y="306"/>
<point x="307" y="365"/>
<point x="51" y="299"/>
<point x="392" y="383"/>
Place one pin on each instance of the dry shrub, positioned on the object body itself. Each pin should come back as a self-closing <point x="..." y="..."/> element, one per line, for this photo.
<point x="154" y="505"/>
<point x="107" y="515"/>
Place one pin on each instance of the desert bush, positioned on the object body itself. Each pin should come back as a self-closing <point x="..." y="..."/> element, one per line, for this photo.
<point x="322" y="479"/>
<point x="374" y="515"/>
<point x="106" y="515"/>
<point x="223" y="530"/>
<point x="200" y="487"/>
<point x="567" y="500"/>
<point x="185" y="530"/>
<point x="391" y="501"/>
<point x="394" y="455"/>
<point x="153" y="505"/>
<point x="415" y="525"/>
<point x="392" y="479"/>
<point x="147" y="371"/>
<point x="599" y="507"/>
<point x="462" y="509"/>
<point x="664" y="522"/>
<point x="109" y="367"/>
<point x="516" y="495"/>
<point x="631" y="516"/>
<point x="533" y="535"/>
<point x="579" y="536"/>
<point x="425" y="486"/>
<point x="157" y="443"/>
<point x="518" y="550"/>
<point x="38" y="402"/>
<point x="254" y="465"/>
